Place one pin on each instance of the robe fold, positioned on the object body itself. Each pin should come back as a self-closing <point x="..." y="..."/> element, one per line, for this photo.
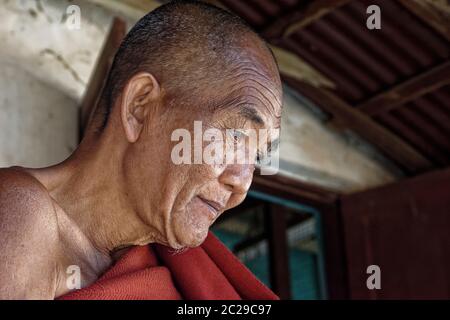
<point x="209" y="272"/>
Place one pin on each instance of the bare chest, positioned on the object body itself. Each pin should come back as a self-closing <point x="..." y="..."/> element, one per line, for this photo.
<point x="79" y="264"/>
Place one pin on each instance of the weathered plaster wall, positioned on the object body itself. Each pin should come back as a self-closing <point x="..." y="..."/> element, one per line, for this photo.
<point x="38" y="123"/>
<point x="44" y="68"/>
<point x="315" y="153"/>
<point x="34" y="33"/>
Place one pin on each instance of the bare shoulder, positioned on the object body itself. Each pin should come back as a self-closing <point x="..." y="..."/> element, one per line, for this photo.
<point x="29" y="237"/>
<point x="24" y="202"/>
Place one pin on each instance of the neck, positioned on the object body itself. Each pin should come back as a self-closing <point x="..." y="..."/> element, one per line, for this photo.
<point x="90" y="188"/>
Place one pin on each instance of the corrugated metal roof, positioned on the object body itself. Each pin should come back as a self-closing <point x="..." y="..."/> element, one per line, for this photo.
<point x="260" y="13"/>
<point x="363" y="63"/>
<point x="425" y="124"/>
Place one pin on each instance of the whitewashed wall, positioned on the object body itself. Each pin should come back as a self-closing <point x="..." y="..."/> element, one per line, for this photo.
<point x="44" y="69"/>
<point x="38" y="123"/>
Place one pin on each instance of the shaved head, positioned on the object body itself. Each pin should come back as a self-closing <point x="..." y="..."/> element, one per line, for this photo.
<point x="192" y="49"/>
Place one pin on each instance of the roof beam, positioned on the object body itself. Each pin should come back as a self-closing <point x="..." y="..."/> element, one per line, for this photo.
<point x="300" y="18"/>
<point x="436" y="14"/>
<point x="409" y="90"/>
<point x="295" y="67"/>
<point x="355" y="120"/>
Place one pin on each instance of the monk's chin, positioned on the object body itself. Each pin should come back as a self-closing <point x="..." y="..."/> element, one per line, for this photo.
<point x="188" y="238"/>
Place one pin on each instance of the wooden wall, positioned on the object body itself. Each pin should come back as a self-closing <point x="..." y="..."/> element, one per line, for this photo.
<point x="404" y="228"/>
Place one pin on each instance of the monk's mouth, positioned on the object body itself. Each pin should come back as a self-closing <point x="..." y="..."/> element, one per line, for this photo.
<point x="212" y="205"/>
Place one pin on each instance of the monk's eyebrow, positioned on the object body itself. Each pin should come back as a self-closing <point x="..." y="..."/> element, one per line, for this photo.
<point x="251" y="114"/>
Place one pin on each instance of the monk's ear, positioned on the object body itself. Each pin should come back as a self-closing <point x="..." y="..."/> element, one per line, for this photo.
<point x="139" y="95"/>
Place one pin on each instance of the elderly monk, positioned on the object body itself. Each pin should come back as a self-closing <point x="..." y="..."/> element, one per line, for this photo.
<point x="133" y="222"/>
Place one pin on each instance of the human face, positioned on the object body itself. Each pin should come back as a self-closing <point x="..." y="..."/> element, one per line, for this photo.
<point x="181" y="201"/>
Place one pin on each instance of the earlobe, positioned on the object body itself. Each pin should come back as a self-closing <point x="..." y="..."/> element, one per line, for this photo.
<point x="139" y="96"/>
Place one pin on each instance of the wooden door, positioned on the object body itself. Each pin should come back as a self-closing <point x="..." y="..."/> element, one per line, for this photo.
<point x="404" y="228"/>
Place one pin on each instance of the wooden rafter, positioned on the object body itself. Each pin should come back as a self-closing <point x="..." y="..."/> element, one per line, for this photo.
<point x="434" y="13"/>
<point x="393" y="146"/>
<point x="116" y="34"/>
<point x="407" y="91"/>
<point x="295" y="67"/>
<point x="300" y="18"/>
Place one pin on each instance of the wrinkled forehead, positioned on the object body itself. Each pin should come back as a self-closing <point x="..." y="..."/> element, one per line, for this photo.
<point x="258" y="81"/>
<point x="253" y="91"/>
<point x="245" y="83"/>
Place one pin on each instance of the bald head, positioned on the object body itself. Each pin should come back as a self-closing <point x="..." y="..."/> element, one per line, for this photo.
<point x="190" y="48"/>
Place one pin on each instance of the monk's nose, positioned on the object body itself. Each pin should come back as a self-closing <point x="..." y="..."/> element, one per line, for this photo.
<point x="237" y="177"/>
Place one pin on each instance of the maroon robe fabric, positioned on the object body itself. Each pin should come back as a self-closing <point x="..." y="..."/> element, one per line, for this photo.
<point x="209" y="272"/>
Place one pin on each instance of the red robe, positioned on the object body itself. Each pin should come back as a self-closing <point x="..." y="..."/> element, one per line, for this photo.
<point x="154" y="271"/>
